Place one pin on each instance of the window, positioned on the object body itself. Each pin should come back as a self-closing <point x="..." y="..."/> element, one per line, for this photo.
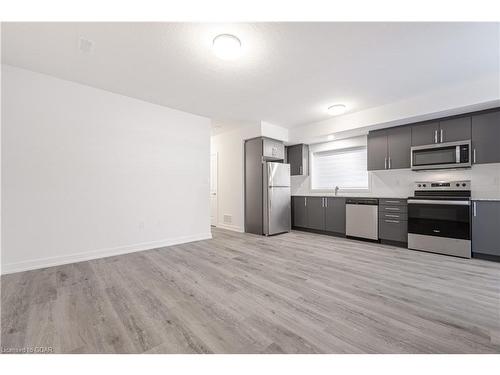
<point x="345" y="168"/>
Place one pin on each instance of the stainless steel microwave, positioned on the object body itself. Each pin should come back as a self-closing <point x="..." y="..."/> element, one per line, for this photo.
<point x="441" y="156"/>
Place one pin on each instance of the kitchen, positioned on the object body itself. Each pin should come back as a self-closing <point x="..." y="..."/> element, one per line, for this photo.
<point x="434" y="205"/>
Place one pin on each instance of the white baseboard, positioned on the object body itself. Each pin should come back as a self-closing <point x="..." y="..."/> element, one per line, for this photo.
<point x="234" y="228"/>
<point x="101" y="253"/>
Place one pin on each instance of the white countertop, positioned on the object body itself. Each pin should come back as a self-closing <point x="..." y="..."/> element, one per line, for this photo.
<point x="378" y="196"/>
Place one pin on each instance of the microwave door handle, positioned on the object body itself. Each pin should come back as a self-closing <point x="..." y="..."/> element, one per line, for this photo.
<point x="435" y="136"/>
<point x="457" y="154"/>
<point x="441" y="136"/>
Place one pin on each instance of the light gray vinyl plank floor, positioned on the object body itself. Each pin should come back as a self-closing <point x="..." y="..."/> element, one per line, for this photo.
<point x="240" y="293"/>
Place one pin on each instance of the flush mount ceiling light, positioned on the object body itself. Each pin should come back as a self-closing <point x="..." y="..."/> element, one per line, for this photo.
<point x="336" y="109"/>
<point x="226" y="46"/>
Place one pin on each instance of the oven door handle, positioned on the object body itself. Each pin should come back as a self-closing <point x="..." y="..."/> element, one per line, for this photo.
<point x="431" y="201"/>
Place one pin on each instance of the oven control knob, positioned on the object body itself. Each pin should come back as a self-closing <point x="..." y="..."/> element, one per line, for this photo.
<point x="419" y="185"/>
<point x="458" y="184"/>
<point x="463" y="185"/>
<point x="424" y="185"/>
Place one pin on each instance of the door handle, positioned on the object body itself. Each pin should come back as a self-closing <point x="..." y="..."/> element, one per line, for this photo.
<point x="435" y="136"/>
<point x="389" y="162"/>
<point x="392" y="209"/>
<point x="392" y="221"/>
<point x="474" y="155"/>
<point x="436" y="231"/>
<point x="305" y="201"/>
<point x="385" y="163"/>
<point x="326" y="202"/>
<point x="300" y="169"/>
<point x="441" y="136"/>
<point x="474" y="209"/>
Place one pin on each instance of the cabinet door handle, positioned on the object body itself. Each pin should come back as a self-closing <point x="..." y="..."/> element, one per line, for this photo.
<point x="435" y="136"/>
<point x="474" y="156"/>
<point x="326" y="202"/>
<point x="389" y="162"/>
<point x="323" y="202"/>
<point x="441" y="136"/>
<point x="385" y="163"/>
<point x="389" y="215"/>
<point x="392" y="209"/>
<point x="305" y="201"/>
<point x="392" y="201"/>
<point x="392" y="221"/>
<point x="474" y="209"/>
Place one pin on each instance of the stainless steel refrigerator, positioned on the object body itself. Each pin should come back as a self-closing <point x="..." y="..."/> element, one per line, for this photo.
<point x="267" y="187"/>
<point x="277" y="198"/>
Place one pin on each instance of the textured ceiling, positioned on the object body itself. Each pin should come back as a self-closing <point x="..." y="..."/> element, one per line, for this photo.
<point x="288" y="74"/>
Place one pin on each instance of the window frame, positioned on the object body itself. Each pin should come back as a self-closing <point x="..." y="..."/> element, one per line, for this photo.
<point x="368" y="189"/>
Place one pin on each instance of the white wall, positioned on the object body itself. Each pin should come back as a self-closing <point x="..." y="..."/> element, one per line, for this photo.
<point x="466" y="97"/>
<point x="229" y="147"/>
<point x="87" y="173"/>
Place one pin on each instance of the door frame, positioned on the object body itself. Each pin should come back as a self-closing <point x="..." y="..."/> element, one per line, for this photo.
<point x="215" y="156"/>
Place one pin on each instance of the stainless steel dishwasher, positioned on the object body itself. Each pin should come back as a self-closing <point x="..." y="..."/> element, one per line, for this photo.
<point x="361" y="218"/>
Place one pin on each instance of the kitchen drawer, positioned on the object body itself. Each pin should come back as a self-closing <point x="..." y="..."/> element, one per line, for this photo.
<point x="393" y="209"/>
<point x="393" y="215"/>
<point x="393" y="230"/>
<point x="392" y="202"/>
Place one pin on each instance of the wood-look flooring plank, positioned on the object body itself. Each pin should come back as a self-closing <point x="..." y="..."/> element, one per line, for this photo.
<point x="241" y="293"/>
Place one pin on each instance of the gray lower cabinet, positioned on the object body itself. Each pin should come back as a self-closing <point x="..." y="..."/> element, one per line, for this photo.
<point x="298" y="158"/>
<point x="319" y="213"/>
<point x="456" y="129"/>
<point x="485" y="138"/>
<point x="315" y="213"/>
<point x="424" y="134"/>
<point x="299" y="212"/>
<point x="335" y="215"/>
<point x="393" y="229"/>
<point x="485" y="227"/>
<point x="393" y="220"/>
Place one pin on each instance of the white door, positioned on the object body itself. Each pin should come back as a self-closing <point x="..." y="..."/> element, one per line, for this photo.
<point x="213" y="189"/>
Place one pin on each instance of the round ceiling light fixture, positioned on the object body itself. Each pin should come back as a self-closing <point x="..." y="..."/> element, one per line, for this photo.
<point x="336" y="109"/>
<point x="226" y="46"/>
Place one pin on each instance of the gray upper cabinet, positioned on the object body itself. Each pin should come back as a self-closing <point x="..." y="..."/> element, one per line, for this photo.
<point x="424" y="134"/>
<point x="485" y="233"/>
<point x="335" y="215"/>
<point x="299" y="212"/>
<point x="398" y="147"/>
<point x="451" y="130"/>
<point x="389" y="148"/>
<point x="273" y="149"/>
<point x="485" y="138"/>
<point x="315" y="213"/>
<point x="377" y="150"/>
<point x="298" y="158"/>
<point x="457" y="129"/>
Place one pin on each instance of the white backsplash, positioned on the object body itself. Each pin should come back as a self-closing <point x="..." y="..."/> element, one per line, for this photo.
<point x="485" y="182"/>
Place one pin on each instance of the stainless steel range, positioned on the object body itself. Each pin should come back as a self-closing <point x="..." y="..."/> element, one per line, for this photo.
<point x="439" y="218"/>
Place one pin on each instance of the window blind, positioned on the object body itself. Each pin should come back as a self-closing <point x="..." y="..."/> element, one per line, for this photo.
<point x="345" y="168"/>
